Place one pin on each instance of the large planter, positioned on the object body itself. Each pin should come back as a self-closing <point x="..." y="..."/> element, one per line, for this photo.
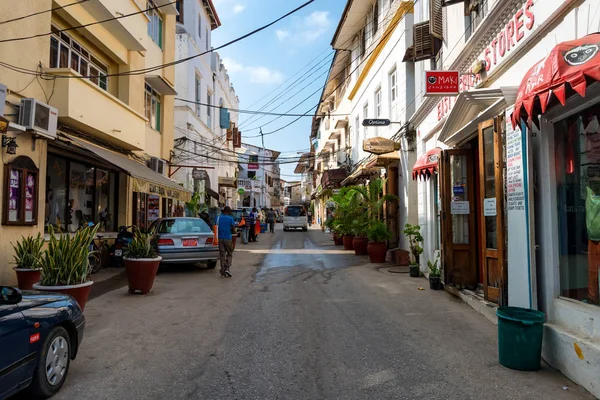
<point x="360" y="245"/>
<point x="347" y="241"/>
<point x="141" y="273"/>
<point x="415" y="271"/>
<point x="337" y="240"/>
<point x="435" y="283"/>
<point x="377" y="252"/>
<point x="79" y="292"/>
<point x="27" y="277"/>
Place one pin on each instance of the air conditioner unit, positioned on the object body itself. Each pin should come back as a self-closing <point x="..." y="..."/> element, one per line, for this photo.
<point x="40" y="117"/>
<point x="157" y="165"/>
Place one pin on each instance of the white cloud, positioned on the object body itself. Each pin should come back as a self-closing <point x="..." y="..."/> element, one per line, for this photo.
<point x="282" y="34"/>
<point x="255" y="74"/>
<point x="238" y="8"/>
<point x="308" y="29"/>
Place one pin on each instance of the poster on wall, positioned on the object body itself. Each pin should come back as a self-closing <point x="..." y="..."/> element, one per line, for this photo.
<point x="153" y="207"/>
<point x="13" y="196"/>
<point x="521" y="273"/>
<point x="29" y="197"/>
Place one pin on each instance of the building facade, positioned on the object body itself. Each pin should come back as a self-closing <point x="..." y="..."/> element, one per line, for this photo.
<point x="259" y="180"/>
<point x="92" y="119"/>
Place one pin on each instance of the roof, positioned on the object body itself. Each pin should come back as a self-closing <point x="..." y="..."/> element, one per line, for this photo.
<point x="351" y="22"/>
<point x="212" y="13"/>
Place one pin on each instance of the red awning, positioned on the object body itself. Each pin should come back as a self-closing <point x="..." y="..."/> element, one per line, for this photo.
<point x="333" y="177"/>
<point x="576" y="62"/>
<point x="427" y="164"/>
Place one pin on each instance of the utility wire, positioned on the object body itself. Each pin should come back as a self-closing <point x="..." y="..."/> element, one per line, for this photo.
<point x="41" y="12"/>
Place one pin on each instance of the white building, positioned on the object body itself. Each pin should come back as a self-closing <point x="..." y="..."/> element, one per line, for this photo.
<point x="259" y="180"/>
<point x="205" y="158"/>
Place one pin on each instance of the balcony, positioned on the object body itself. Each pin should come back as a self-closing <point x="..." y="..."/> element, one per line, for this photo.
<point x="84" y="106"/>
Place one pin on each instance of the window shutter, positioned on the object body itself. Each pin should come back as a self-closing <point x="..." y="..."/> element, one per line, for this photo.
<point x="436" y="21"/>
<point x="224" y="118"/>
<point x="423" y="42"/>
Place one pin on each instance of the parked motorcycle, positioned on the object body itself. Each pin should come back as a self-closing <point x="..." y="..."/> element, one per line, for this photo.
<point x="123" y="240"/>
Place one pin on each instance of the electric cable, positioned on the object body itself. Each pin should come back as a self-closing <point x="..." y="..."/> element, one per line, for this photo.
<point x="41" y="12"/>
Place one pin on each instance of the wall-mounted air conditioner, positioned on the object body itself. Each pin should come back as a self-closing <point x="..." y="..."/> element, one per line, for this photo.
<point x="157" y="165"/>
<point x="40" y="117"/>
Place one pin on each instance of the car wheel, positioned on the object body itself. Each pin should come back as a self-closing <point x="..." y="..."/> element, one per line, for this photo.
<point x="53" y="364"/>
<point x="304" y="229"/>
<point x="211" y="264"/>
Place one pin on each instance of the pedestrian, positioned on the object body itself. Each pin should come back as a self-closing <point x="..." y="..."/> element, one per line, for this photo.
<point x="309" y="215"/>
<point x="243" y="225"/>
<point x="271" y="220"/>
<point x="205" y="217"/>
<point x="253" y="217"/>
<point x="226" y="226"/>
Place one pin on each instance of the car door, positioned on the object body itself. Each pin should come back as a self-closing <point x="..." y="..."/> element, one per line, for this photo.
<point x="14" y="347"/>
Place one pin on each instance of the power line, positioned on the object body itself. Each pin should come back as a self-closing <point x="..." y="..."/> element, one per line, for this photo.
<point x="41" y="12"/>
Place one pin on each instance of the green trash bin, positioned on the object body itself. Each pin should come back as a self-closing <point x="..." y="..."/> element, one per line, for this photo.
<point x="520" y="333"/>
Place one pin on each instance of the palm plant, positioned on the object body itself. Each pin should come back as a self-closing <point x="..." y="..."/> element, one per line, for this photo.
<point x="28" y="252"/>
<point x="371" y="196"/>
<point x="141" y="246"/>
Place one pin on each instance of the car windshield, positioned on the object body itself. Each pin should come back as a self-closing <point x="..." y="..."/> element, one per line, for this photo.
<point x="295" y="211"/>
<point x="183" y="225"/>
<point x="237" y="215"/>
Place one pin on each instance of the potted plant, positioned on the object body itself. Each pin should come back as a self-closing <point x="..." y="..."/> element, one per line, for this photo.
<point x="378" y="233"/>
<point x="360" y="242"/>
<point x="435" y="282"/>
<point x="141" y="262"/>
<point x="413" y="233"/>
<point x="28" y="256"/>
<point x="65" y="264"/>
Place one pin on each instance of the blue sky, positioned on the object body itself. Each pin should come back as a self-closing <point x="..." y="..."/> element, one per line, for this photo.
<point x="257" y="65"/>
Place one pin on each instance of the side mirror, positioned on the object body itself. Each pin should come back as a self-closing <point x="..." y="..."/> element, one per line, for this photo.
<point x="10" y="295"/>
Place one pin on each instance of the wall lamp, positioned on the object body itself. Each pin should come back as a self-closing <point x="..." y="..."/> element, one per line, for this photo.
<point x="10" y="144"/>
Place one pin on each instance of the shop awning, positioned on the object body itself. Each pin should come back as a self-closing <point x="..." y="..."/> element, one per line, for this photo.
<point x="427" y="164"/>
<point x="145" y="180"/>
<point x="383" y="160"/>
<point x="472" y="107"/>
<point x="333" y="177"/>
<point x="576" y="62"/>
<point x="159" y="84"/>
<point x="225" y="181"/>
<point x="360" y="174"/>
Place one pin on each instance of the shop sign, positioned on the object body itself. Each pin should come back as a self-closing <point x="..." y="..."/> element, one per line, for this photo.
<point x="380" y="145"/>
<point x="199" y="174"/>
<point x="441" y="83"/>
<point x="459" y="208"/>
<point x="466" y="82"/>
<point x="458" y="190"/>
<point x="376" y="122"/>
<point x="489" y="207"/>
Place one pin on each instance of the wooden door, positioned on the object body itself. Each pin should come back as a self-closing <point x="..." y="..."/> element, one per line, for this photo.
<point x="459" y="237"/>
<point x="491" y="199"/>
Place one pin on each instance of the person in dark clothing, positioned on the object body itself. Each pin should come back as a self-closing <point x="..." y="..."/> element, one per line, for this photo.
<point x="252" y="221"/>
<point x="206" y="218"/>
<point x="271" y="220"/>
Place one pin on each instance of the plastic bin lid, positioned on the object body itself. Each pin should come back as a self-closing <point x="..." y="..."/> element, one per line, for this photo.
<point x="523" y="315"/>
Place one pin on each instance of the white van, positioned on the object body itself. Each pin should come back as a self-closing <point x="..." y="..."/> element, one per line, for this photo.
<point x="295" y="217"/>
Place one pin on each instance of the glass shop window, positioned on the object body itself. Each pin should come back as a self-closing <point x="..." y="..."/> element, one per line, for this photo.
<point x="21" y="186"/>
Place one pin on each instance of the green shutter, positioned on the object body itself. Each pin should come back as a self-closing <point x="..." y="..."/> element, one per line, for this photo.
<point x="160" y="33"/>
<point x="158" y="114"/>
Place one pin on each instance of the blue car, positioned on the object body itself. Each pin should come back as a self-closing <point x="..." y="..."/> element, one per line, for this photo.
<point x="40" y="334"/>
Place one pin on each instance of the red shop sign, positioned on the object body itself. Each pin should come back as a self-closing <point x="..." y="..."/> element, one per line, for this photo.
<point x="441" y="83"/>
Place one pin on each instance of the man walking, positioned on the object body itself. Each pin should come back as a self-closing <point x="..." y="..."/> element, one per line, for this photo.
<point x="309" y="215"/>
<point x="252" y="222"/>
<point x="226" y="226"/>
<point x="271" y="220"/>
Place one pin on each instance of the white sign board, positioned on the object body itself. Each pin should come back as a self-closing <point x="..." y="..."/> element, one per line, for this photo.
<point x="459" y="207"/>
<point x="521" y="272"/>
<point x="489" y="207"/>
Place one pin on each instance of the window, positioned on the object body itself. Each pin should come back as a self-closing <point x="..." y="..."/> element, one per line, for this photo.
<point x="475" y="11"/>
<point x="375" y="17"/>
<point x="21" y="185"/>
<point x="251" y="174"/>
<point x="357" y="131"/>
<point x="152" y="106"/>
<point x="207" y="40"/>
<point x="67" y="53"/>
<point x="209" y="110"/>
<point x="378" y="103"/>
<point x="199" y="26"/>
<point x="179" y="5"/>
<point x="393" y="82"/>
<point x="363" y="42"/>
<point x="155" y="25"/>
<point x="198" y="95"/>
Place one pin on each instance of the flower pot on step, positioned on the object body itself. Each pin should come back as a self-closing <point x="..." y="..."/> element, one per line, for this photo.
<point x="377" y="252"/>
<point x="360" y="246"/>
<point x="141" y="273"/>
<point x="414" y="271"/>
<point x="27" y="277"/>
<point x="80" y="292"/>
<point x="435" y="283"/>
<point x="337" y="240"/>
<point x="347" y="241"/>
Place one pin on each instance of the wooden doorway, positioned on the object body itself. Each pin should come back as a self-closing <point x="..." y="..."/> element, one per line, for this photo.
<point x="491" y="200"/>
<point x="458" y="223"/>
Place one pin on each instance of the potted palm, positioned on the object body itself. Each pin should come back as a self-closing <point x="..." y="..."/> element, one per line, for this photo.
<point x="413" y="234"/>
<point x="378" y="233"/>
<point x="141" y="262"/>
<point x="28" y="257"/>
<point x="360" y="242"/>
<point x="435" y="282"/>
<point x="65" y="264"/>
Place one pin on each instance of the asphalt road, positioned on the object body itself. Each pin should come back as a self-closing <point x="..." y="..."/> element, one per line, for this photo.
<point x="300" y="319"/>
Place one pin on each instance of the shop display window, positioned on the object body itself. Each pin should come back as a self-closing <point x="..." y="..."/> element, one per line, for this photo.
<point x="577" y="147"/>
<point x="21" y="187"/>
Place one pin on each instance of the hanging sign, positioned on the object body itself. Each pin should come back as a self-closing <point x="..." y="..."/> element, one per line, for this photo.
<point x="441" y="83"/>
<point x="380" y="145"/>
<point x="376" y="122"/>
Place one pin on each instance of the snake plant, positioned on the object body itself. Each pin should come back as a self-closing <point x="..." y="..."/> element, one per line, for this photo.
<point x="28" y="252"/>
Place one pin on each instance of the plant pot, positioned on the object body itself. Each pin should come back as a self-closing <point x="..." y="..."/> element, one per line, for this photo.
<point x="377" y="252"/>
<point x="415" y="272"/>
<point x="337" y="240"/>
<point x="435" y="283"/>
<point x="360" y="245"/>
<point x="347" y="241"/>
<point x="27" y="277"/>
<point x="141" y="273"/>
<point x="79" y="292"/>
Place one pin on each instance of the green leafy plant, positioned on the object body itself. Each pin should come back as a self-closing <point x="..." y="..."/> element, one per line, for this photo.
<point x="193" y="206"/>
<point x="28" y="252"/>
<point x="434" y="271"/>
<point x="141" y="246"/>
<point x="65" y="261"/>
<point x="371" y="197"/>
<point x="413" y="233"/>
<point x="378" y="232"/>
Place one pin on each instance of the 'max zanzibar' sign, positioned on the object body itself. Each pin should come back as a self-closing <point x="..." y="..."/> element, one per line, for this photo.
<point x="379" y="145"/>
<point x="376" y="122"/>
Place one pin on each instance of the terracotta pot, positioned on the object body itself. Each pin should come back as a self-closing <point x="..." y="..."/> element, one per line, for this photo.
<point x="141" y="273"/>
<point x="337" y="240"/>
<point x="377" y="252"/>
<point x="347" y="240"/>
<point x="360" y="246"/>
<point x="27" y="277"/>
<point x="79" y="292"/>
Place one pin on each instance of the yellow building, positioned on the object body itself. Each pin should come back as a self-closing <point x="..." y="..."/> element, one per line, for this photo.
<point x="99" y="153"/>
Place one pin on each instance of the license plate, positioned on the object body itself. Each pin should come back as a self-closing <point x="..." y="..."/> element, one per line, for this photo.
<point x="189" y="242"/>
<point x="118" y="253"/>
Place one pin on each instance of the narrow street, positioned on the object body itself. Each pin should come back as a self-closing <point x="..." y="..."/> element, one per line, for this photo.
<point x="303" y="321"/>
